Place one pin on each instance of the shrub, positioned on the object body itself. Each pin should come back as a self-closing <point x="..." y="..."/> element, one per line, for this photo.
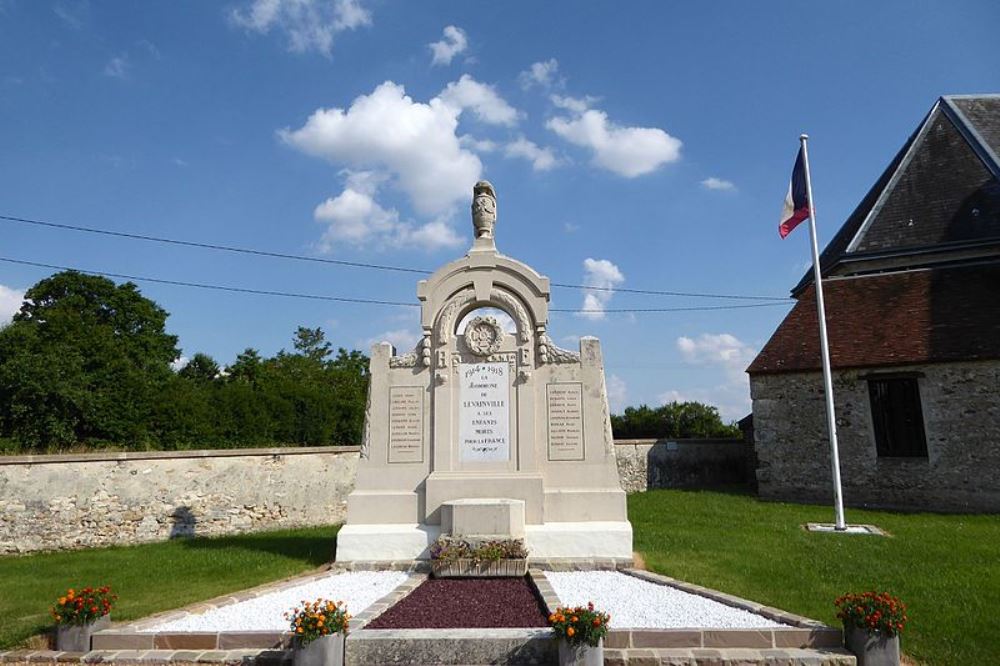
<point x="578" y="625"/>
<point x="877" y="612"/>
<point x="82" y="607"/>
<point x="317" y="619"/>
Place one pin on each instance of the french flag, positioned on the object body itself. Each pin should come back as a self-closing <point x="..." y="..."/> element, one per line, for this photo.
<point x="796" y="202"/>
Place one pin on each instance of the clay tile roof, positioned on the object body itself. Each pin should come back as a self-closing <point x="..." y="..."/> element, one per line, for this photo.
<point x="945" y="314"/>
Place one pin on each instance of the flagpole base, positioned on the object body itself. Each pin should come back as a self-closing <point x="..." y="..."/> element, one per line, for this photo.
<point x="846" y="529"/>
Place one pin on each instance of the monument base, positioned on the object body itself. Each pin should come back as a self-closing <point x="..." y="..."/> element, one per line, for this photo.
<point x="396" y="542"/>
<point x="592" y="539"/>
<point x="386" y="542"/>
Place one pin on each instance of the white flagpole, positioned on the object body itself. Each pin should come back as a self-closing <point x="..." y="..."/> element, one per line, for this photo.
<point x="831" y="419"/>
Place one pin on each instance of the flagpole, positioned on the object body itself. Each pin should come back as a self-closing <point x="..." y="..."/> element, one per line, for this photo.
<point x="831" y="419"/>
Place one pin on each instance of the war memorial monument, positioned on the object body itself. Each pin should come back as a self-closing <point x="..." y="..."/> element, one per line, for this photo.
<point x="486" y="432"/>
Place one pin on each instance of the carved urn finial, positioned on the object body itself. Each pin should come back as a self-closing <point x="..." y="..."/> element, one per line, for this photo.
<point x="484" y="209"/>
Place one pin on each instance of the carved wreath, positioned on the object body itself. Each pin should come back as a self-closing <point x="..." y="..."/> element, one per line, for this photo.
<point x="483" y="336"/>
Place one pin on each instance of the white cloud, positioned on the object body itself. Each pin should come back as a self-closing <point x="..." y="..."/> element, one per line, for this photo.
<point x="402" y="339"/>
<point x="574" y="104"/>
<point x="718" y="184"/>
<point x="309" y="25"/>
<point x="482" y="99"/>
<point x="453" y="42"/>
<point x="626" y="151"/>
<point x="542" y="159"/>
<point x="722" y="349"/>
<point x="354" y="217"/>
<point x="570" y="228"/>
<point x="603" y="276"/>
<point x="727" y="353"/>
<point x="541" y="74"/>
<point x="10" y="303"/>
<point x="118" y="67"/>
<point x="415" y="142"/>
<point x="73" y="14"/>
<point x="478" y="145"/>
<point x="178" y="363"/>
<point x="617" y="393"/>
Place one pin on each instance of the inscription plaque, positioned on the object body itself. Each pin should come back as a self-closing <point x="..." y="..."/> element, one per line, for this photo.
<point x="565" y="411"/>
<point x="484" y="412"/>
<point x="406" y="424"/>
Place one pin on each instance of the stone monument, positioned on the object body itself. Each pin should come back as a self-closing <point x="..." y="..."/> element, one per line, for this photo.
<point x="486" y="432"/>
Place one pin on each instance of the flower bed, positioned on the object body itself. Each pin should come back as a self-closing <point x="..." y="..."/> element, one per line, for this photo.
<point x="452" y="557"/>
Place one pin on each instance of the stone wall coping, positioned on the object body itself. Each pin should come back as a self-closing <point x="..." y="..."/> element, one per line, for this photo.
<point x="122" y="456"/>
<point x="683" y="442"/>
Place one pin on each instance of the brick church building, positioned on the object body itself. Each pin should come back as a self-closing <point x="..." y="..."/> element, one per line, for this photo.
<point x="912" y="289"/>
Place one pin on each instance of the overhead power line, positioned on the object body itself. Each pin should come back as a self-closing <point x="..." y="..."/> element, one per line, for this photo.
<point x="346" y="299"/>
<point x="359" y="264"/>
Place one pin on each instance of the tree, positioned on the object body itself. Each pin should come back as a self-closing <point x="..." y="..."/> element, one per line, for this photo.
<point x="678" y="420"/>
<point x="82" y="361"/>
<point x="311" y="343"/>
<point x="201" y="368"/>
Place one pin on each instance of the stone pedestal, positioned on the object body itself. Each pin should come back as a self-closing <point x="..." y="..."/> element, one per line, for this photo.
<point x="480" y="426"/>
<point x="483" y="517"/>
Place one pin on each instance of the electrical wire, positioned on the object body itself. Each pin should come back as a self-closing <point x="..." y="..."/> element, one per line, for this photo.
<point x="346" y="299"/>
<point x="359" y="264"/>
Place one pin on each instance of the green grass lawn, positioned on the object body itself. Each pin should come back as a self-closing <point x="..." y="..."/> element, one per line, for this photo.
<point x="153" y="577"/>
<point x="946" y="568"/>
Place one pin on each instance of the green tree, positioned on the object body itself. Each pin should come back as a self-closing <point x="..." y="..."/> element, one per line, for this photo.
<point x="311" y="343"/>
<point x="201" y="368"/>
<point x="680" y="420"/>
<point x="82" y="361"/>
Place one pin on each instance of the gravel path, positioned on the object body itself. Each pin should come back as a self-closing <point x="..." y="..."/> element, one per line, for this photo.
<point x="357" y="589"/>
<point x="445" y="603"/>
<point x="636" y="603"/>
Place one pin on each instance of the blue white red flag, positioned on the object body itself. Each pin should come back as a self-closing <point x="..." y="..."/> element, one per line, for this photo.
<point x="796" y="202"/>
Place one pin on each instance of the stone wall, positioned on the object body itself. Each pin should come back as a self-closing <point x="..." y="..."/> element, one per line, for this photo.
<point x="650" y="463"/>
<point x="74" y="501"/>
<point x="99" y="499"/>
<point x="961" y="409"/>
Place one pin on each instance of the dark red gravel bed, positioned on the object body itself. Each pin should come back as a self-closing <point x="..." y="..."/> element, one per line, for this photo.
<point x="453" y="603"/>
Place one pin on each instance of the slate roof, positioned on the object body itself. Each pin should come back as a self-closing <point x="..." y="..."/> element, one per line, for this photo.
<point x="927" y="315"/>
<point x="941" y="189"/>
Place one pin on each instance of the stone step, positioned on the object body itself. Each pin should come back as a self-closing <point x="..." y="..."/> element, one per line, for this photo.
<point x="729" y="657"/>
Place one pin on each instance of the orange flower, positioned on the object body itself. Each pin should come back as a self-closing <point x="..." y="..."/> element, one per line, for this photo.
<point x="570" y="631"/>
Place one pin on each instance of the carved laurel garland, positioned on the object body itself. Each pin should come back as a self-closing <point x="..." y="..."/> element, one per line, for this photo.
<point x="366" y="435"/>
<point x="407" y="360"/>
<point x="554" y="354"/>
<point x="446" y="320"/>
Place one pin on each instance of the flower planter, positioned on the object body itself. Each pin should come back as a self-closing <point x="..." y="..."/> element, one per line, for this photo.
<point x="479" y="569"/>
<point x="872" y="648"/>
<point x="76" y="637"/>
<point x="324" y="651"/>
<point x="581" y="654"/>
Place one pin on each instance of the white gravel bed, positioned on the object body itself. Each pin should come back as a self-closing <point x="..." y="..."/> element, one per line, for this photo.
<point x="357" y="589"/>
<point x="636" y="603"/>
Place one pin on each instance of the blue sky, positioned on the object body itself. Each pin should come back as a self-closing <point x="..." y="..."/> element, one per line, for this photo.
<point x="641" y="145"/>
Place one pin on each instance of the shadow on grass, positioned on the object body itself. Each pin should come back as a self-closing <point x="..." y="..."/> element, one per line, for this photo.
<point x="725" y="489"/>
<point x="312" y="549"/>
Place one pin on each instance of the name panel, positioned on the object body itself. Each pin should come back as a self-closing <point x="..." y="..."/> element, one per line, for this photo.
<point x="564" y="401"/>
<point x="406" y="424"/>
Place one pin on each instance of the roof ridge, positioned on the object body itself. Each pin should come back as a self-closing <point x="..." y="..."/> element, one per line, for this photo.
<point x="971" y="135"/>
